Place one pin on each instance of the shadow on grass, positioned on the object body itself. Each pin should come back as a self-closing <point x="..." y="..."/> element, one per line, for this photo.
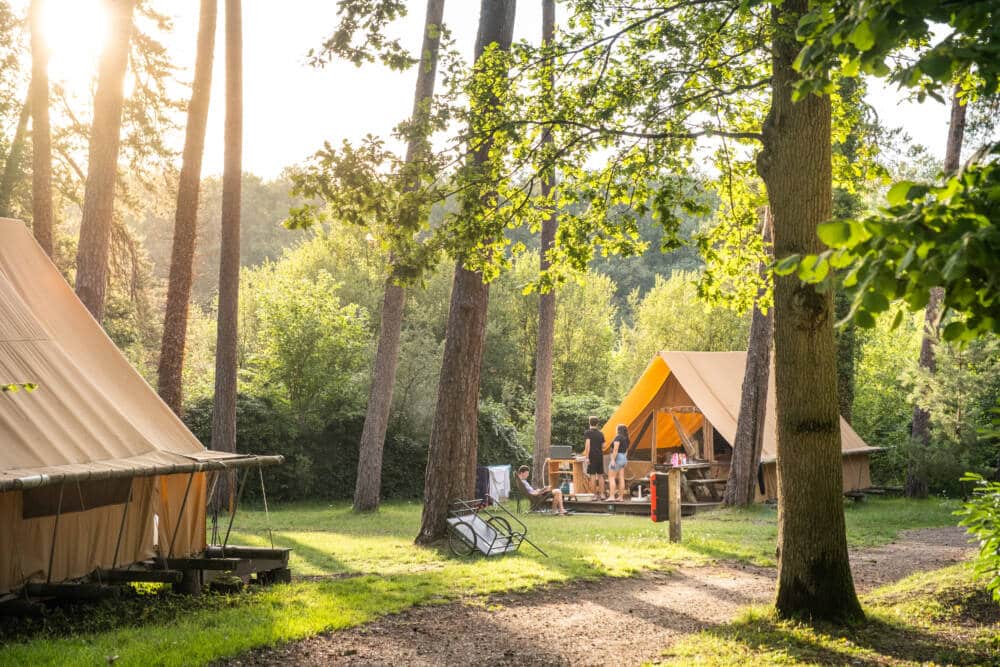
<point x="879" y="640"/>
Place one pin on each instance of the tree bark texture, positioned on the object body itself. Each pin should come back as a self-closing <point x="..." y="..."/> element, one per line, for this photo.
<point x="224" y="412"/>
<point x="749" y="441"/>
<point x="368" y="486"/>
<point x="12" y="165"/>
<point x="846" y="343"/>
<point x="102" y="162"/>
<point x="175" y="319"/>
<point x="920" y="430"/>
<point x="546" y="300"/>
<point x="41" y="136"/>
<point x="814" y="575"/>
<point x="451" y="457"/>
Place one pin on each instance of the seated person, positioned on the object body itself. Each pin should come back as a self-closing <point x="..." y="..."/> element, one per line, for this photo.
<point x="542" y="494"/>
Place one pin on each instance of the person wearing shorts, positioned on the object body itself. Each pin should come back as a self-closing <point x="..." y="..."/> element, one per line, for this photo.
<point x="616" y="469"/>
<point x="593" y="451"/>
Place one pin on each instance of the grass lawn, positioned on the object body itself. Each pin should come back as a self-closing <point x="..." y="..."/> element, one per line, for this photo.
<point x="930" y="618"/>
<point x="377" y="570"/>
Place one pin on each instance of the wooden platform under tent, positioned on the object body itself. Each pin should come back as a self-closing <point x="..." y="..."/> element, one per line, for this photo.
<point x="703" y="478"/>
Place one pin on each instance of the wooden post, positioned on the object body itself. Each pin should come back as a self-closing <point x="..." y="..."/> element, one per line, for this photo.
<point x="707" y="440"/>
<point x="652" y="459"/>
<point x="674" y="493"/>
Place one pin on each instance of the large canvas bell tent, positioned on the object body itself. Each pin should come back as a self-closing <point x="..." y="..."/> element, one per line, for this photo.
<point x="95" y="470"/>
<point x="681" y="392"/>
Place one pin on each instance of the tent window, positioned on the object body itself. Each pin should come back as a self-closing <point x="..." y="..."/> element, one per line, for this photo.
<point x="76" y="497"/>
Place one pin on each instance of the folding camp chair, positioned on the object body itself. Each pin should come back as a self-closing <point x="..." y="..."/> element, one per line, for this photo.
<point x="535" y="503"/>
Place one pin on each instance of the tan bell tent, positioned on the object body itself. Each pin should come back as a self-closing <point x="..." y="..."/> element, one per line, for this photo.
<point x="681" y="394"/>
<point x="92" y="460"/>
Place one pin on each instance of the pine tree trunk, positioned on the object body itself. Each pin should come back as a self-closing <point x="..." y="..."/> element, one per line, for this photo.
<point x="920" y="434"/>
<point x="12" y="165"/>
<point x="749" y="440"/>
<point x="546" y="300"/>
<point x="451" y="457"/>
<point x="41" y="136"/>
<point x="368" y="487"/>
<point x="224" y="412"/>
<point x="814" y="574"/>
<point x="186" y="217"/>
<point x="102" y="162"/>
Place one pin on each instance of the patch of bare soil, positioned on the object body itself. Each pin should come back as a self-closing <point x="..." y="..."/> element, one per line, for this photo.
<point x="608" y="622"/>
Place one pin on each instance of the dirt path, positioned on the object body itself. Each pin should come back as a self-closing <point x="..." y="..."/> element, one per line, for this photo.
<point x="610" y="622"/>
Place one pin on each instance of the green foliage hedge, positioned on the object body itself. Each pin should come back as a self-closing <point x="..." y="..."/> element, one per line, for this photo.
<point x="324" y="464"/>
<point x="569" y="417"/>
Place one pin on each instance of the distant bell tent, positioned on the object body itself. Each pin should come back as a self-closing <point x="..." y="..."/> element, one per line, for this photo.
<point x="688" y="402"/>
<point x="96" y="472"/>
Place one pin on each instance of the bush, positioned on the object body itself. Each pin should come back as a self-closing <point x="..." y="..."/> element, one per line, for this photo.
<point x="569" y="417"/>
<point x="321" y="465"/>
<point x="498" y="441"/>
<point x="981" y="517"/>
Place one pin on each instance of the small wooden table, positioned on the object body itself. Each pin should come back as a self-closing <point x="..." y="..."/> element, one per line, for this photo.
<point x="573" y="470"/>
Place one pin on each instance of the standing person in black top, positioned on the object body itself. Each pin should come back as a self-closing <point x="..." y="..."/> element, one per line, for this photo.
<point x="593" y="451"/>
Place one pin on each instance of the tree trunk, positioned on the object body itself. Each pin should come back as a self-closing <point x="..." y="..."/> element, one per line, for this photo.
<point x="814" y="574"/>
<point x="846" y="342"/>
<point x="186" y="217"/>
<point x="546" y="300"/>
<point x="224" y="409"/>
<point x="41" y="136"/>
<point x="920" y="434"/>
<point x="102" y="162"/>
<point x="368" y="487"/>
<point x="749" y="441"/>
<point x="12" y="165"/>
<point x="451" y="457"/>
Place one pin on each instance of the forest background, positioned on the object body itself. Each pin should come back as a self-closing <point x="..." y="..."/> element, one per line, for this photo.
<point x="309" y="307"/>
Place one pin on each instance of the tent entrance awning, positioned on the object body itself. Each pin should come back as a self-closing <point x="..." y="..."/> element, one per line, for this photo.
<point x="147" y="465"/>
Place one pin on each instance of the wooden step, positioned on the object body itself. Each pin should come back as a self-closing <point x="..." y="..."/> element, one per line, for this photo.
<point x="712" y="480"/>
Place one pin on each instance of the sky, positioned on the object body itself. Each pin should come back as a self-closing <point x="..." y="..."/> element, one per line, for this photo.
<point x="290" y="108"/>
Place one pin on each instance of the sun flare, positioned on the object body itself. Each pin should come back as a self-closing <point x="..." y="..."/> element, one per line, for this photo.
<point x="75" y="31"/>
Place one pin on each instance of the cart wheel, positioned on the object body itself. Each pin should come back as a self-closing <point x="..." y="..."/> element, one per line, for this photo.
<point x="461" y="539"/>
<point x="500" y="525"/>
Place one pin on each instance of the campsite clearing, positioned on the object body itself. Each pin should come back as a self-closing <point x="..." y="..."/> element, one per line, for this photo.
<point x="354" y="569"/>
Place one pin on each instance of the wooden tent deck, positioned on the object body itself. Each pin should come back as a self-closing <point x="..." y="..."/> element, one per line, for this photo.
<point x="632" y="508"/>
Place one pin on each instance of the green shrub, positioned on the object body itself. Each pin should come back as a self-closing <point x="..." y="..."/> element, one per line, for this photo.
<point x="569" y="417"/>
<point x="498" y="441"/>
<point x="981" y="517"/>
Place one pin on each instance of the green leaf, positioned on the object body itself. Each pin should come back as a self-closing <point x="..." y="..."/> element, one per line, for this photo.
<point x="896" y="321"/>
<point x="864" y="319"/>
<point x="786" y="265"/>
<point x="862" y="36"/>
<point x="897" y="193"/>
<point x="835" y="233"/>
<point x="954" y="330"/>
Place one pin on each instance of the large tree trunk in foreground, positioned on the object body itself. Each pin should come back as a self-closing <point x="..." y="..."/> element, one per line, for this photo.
<point x="175" y="320"/>
<point x="846" y="346"/>
<point x="451" y="457"/>
<point x="814" y="574"/>
<point x="41" y="136"/>
<point x="368" y="487"/>
<point x="102" y="162"/>
<point x="749" y="441"/>
<point x="12" y="165"/>
<point x="920" y="435"/>
<point x="546" y="300"/>
<point x="224" y="409"/>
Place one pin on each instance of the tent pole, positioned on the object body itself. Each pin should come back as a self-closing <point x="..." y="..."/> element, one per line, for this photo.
<point x="652" y="458"/>
<point x="267" y="515"/>
<point x="232" y="517"/>
<point x="177" y="526"/>
<point x="121" y="528"/>
<point x="55" y="530"/>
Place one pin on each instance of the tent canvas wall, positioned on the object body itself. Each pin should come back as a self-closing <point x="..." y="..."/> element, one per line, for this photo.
<point x="712" y="383"/>
<point x="93" y="452"/>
